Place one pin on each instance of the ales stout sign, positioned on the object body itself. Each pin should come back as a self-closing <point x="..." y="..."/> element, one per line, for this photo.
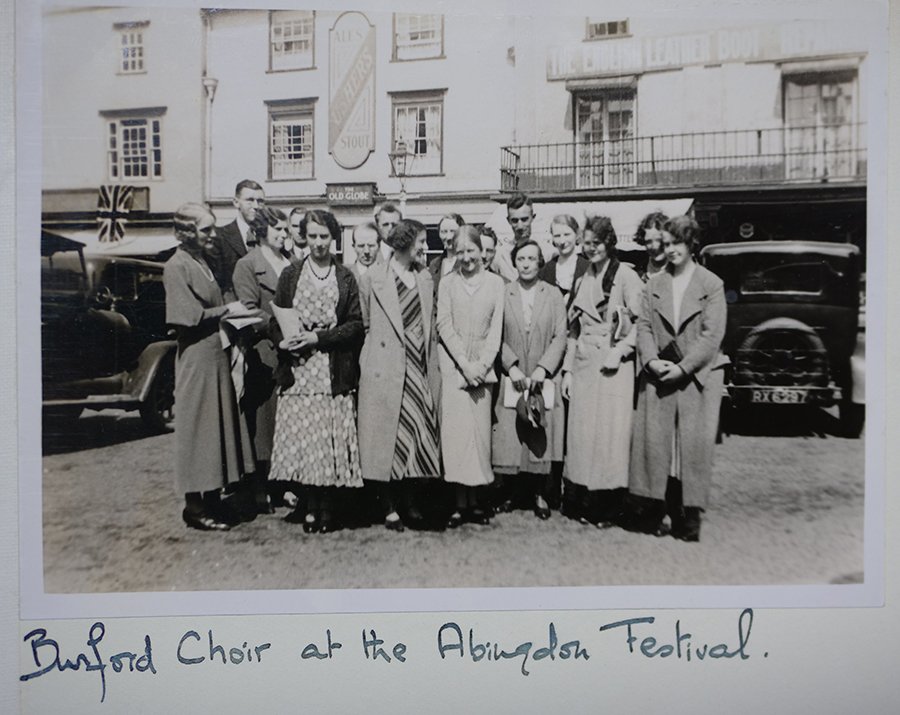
<point x="351" y="89"/>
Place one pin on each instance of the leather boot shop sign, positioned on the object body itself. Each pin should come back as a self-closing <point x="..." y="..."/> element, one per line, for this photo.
<point x="351" y="90"/>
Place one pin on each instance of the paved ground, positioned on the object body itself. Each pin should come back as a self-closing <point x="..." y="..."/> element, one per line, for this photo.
<point x="787" y="508"/>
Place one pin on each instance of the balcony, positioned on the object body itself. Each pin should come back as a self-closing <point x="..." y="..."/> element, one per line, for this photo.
<point x="721" y="158"/>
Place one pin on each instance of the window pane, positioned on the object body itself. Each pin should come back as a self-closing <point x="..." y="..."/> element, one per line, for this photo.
<point x="291" y="147"/>
<point x="291" y="39"/>
<point x="418" y="36"/>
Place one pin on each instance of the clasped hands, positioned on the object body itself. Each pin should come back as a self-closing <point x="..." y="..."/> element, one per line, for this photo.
<point x="521" y="382"/>
<point x="666" y="371"/>
<point x="304" y="340"/>
<point x="474" y="373"/>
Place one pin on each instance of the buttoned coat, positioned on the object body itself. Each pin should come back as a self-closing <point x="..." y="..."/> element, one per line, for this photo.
<point x="228" y="249"/>
<point x="255" y="282"/>
<point x="516" y="446"/>
<point x="695" y="399"/>
<point x="383" y="365"/>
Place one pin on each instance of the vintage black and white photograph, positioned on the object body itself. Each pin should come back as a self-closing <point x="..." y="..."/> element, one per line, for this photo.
<point x="342" y="299"/>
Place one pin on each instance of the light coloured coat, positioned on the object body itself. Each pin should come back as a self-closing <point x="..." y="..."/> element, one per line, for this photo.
<point x="695" y="399"/>
<point x="542" y="346"/>
<point x="383" y="365"/>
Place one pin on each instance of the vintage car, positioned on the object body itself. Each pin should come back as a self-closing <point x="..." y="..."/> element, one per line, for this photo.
<point x="103" y="334"/>
<point x="793" y="332"/>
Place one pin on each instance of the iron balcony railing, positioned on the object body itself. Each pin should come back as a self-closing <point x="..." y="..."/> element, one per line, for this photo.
<point x="784" y="154"/>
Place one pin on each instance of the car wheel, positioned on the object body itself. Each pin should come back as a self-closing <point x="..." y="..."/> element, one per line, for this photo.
<point x="852" y="418"/>
<point x="158" y="410"/>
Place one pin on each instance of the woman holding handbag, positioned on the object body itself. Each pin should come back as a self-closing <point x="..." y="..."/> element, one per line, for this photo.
<point x="469" y="323"/>
<point x="598" y="379"/>
<point x="679" y="339"/>
<point x="534" y="342"/>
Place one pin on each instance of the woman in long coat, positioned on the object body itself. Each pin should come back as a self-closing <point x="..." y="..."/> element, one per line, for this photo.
<point x="598" y="379"/>
<point x="255" y="280"/>
<point x="398" y="429"/>
<point x="534" y="342"/>
<point x="318" y="373"/>
<point x="680" y="333"/>
<point x="470" y="323"/>
<point x="212" y="446"/>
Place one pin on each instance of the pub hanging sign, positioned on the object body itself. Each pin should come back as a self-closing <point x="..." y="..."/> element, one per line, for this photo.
<point x="351" y="90"/>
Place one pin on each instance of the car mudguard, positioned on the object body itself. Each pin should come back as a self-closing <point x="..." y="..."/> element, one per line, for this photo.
<point x="140" y="379"/>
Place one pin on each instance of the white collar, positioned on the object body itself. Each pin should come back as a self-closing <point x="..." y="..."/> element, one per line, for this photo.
<point x="244" y="228"/>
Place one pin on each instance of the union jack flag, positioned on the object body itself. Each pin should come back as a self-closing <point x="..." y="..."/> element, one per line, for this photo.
<point x="113" y="205"/>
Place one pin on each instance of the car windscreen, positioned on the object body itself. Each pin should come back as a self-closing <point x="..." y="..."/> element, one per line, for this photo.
<point x="783" y="274"/>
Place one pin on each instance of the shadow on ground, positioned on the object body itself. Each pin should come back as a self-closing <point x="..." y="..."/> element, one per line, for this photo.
<point x="64" y="434"/>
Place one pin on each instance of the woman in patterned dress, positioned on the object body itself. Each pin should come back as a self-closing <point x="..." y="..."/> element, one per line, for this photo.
<point x="212" y="445"/>
<point x="398" y="430"/>
<point x="470" y="323"/>
<point x="318" y="372"/>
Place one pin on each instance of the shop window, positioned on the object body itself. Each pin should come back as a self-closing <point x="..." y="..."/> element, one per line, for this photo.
<point x="821" y="131"/>
<point x="291" y="39"/>
<point x="597" y="29"/>
<point x="419" y="123"/>
<point x="134" y="144"/>
<point x="418" y="37"/>
<point x="291" y="140"/>
<point x="130" y="57"/>
<point x="604" y="137"/>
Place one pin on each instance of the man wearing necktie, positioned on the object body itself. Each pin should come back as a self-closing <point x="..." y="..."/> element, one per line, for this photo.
<point x="235" y="239"/>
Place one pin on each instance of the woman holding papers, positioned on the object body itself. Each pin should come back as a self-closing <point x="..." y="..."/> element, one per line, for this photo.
<point x="679" y="336"/>
<point x="212" y="445"/>
<point x="398" y="436"/>
<point x="470" y="323"/>
<point x="318" y="372"/>
<point x="525" y="440"/>
<point x="255" y="280"/>
<point x="598" y="379"/>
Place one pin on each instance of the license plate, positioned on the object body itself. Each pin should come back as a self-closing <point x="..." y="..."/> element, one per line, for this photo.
<point x="779" y="396"/>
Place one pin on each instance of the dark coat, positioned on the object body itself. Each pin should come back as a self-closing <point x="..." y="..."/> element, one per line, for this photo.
<point x="228" y="248"/>
<point x="695" y="399"/>
<point x="548" y="273"/>
<point x="342" y="342"/>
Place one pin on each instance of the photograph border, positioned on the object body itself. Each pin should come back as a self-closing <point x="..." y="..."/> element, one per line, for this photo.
<point x="36" y="603"/>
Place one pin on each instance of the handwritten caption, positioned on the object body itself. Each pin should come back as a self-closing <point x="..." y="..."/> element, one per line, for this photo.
<point x="640" y="637"/>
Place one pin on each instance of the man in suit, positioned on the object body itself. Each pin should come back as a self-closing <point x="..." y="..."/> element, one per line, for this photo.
<point x="367" y="246"/>
<point x="235" y="239"/>
<point x="295" y="244"/>
<point x="386" y="217"/>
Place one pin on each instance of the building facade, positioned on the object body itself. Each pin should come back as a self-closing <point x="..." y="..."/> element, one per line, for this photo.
<point x="315" y="102"/>
<point x="762" y="125"/>
<point x="121" y="108"/>
<point x="758" y="128"/>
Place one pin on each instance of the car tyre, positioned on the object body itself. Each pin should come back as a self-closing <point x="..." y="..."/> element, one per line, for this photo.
<point x="158" y="410"/>
<point x="852" y="418"/>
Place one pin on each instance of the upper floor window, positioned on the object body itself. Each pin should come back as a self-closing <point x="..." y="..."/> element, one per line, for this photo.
<point x="134" y="143"/>
<point x="604" y="29"/>
<point x="291" y="139"/>
<point x="418" y="37"/>
<point x="822" y="131"/>
<point x="131" y="47"/>
<point x="291" y="39"/>
<point x="419" y="123"/>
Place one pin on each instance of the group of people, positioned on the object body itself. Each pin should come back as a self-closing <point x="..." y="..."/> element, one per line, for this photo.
<point x="489" y="379"/>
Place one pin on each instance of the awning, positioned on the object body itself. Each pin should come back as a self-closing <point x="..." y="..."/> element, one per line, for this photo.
<point x="137" y="242"/>
<point x="625" y="216"/>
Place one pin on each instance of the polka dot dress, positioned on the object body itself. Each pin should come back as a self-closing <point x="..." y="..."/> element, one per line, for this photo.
<point x="315" y="433"/>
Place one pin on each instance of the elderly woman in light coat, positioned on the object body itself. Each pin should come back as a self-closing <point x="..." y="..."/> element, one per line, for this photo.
<point x="399" y="382"/>
<point x="534" y="342"/>
<point x="680" y="332"/>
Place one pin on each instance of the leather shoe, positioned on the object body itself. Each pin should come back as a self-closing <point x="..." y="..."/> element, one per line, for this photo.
<point x="393" y="524"/>
<point x="541" y="510"/>
<point x="480" y="516"/>
<point x="455" y="520"/>
<point x="202" y="522"/>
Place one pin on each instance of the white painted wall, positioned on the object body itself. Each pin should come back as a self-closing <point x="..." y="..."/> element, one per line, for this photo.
<point x="80" y="54"/>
